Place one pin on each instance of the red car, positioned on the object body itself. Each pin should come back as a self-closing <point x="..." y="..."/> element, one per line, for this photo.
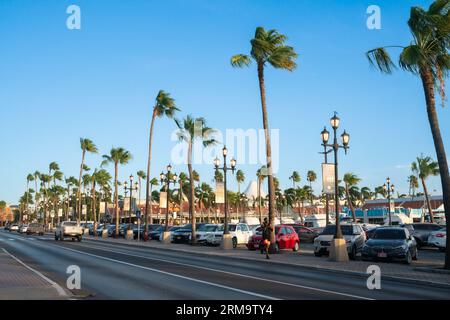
<point x="286" y="238"/>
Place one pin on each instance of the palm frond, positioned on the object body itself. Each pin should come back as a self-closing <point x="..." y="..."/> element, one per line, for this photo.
<point x="380" y="59"/>
<point x="240" y="61"/>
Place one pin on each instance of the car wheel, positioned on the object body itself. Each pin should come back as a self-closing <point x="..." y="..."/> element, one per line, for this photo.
<point x="416" y="255"/>
<point x="234" y="243"/>
<point x="56" y="237"/>
<point x="408" y="258"/>
<point x="79" y="239"/>
<point x="296" y="247"/>
<point x="352" y="254"/>
<point x="317" y="254"/>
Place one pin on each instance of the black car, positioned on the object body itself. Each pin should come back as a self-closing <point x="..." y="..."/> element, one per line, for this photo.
<point x="305" y="234"/>
<point x="151" y="227"/>
<point x="421" y="232"/>
<point x="183" y="235"/>
<point x="390" y="243"/>
<point x="155" y="233"/>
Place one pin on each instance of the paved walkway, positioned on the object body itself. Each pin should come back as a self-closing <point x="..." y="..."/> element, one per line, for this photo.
<point x="18" y="282"/>
<point x="305" y="258"/>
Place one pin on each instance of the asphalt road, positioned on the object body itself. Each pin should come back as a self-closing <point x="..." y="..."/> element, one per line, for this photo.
<point x="119" y="271"/>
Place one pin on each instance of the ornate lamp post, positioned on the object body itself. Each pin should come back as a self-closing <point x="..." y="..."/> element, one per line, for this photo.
<point x="325" y="137"/>
<point x="389" y="189"/>
<point x="131" y="189"/>
<point x="338" y="248"/>
<point x="168" y="178"/>
<point x="227" y="242"/>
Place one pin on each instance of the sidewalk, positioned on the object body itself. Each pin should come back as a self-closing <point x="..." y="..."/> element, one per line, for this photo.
<point x="17" y="282"/>
<point x="418" y="271"/>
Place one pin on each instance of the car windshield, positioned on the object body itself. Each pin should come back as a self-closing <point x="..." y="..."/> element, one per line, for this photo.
<point x="207" y="228"/>
<point x="71" y="223"/>
<point x="231" y="227"/>
<point x="385" y="234"/>
<point x="347" y="230"/>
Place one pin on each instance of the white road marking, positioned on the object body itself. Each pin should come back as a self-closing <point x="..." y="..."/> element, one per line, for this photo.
<point x="10" y="239"/>
<point x="58" y="288"/>
<point x="237" y="274"/>
<point x="174" y="275"/>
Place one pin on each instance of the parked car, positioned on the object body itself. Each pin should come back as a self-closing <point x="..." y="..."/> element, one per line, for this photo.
<point x="35" y="228"/>
<point x="422" y="231"/>
<point x="203" y="231"/>
<point x="123" y="227"/>
<point x="285" y="235"/>
<point x="354" y="236"/>
<point x="68" y="229"/>
<point x="141" y="228"/>
<point x="7" y="226"/>
<point x="183" y="235"/>
<point x="438" y="239"/>
<point x="23" y="228"/>
<point x="240" y="234"/>
<point x="155" y="234"/>
<point x="391" y="243"/>
<point x="14" y="227"/>
<point x="304" y="233"/>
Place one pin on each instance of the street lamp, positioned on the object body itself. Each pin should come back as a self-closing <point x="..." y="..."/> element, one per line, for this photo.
<point x="387" y="187"/>
<point x="167" y="178"/>
<point x="131" y="189"/>
<point x="325" y="137"/>
<point x="226" y="240"/>
<point x="338" y="248"/>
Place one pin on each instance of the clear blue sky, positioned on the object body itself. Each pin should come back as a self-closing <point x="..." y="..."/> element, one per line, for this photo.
<point x="57" y="85"/>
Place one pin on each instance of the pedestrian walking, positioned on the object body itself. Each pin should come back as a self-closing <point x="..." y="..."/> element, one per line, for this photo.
<point x="267" y="232"/>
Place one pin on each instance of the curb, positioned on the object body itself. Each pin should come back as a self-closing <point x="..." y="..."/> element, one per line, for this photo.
<point x="308" y="267"/>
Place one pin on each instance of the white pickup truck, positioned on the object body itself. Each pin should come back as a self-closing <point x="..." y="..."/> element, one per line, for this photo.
<point x="69" y="229"/>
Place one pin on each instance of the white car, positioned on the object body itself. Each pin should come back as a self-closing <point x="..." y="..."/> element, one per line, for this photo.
<point x="23" y="228"/>
<point x="202" y="232"/>
<point x="438" y="239"/>
<point x="240" y="234"/>
<point x="69" y="229"/>
<point x="14" y="227"/>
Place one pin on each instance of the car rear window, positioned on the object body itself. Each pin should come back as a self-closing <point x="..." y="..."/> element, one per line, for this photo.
<point x="387" y="234"/>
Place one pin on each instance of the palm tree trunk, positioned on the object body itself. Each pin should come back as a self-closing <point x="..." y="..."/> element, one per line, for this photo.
<point x="191" y="193"/>
<point x="148" y="207"/>
<point x="425" y="190"/>
<point x="262" y="88"/>
<point x="350" y="204"/>
<point x="428" y="85"/>
<point x="79" y="186"/>
<point x="94" y="208"/>
<point x="116" y="196"/>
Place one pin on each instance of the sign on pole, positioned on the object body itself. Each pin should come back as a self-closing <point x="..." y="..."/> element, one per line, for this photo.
<point x="84" y="211"/>
<point x="102" y="207"/>
<point x="328" y="178"/>
<point x="60" y="212"/>
<point x="220" y="192"/>
<point x="163" y="200"/>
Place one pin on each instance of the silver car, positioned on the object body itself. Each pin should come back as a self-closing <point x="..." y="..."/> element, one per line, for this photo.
<point x="354" y="236"/>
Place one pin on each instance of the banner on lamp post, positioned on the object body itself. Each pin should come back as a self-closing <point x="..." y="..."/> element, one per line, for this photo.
<point x="163" y="200"/>
<point x="328" y="178"/>
<point x="102" y="207"/>
<point x="220" y="192"/>
<point x="60" y="213"/>
<point x="84" y="210"/>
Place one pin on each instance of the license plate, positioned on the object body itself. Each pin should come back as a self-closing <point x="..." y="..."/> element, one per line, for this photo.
<point x="382" y="255"/>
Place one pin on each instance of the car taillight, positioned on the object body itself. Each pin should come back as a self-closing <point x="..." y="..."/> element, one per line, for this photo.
<point x="440" y="235"/>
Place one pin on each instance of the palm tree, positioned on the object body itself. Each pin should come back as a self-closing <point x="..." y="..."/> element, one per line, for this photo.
<point x="350" y="180"/>
<point x="413" y="185"/>
<point x="30" y="178"/>
<point x="295" y="178"/>
<point x="311" y="176"/>
<point x="267" y="47"/>
<point x="164" y="107"/>
<point x="427" y="57"/>
<point x="117" y="156"/>
<point x="366" y="194"/>
<point x="191" y="129"/>
<point x="424" y="167"/>
<point x="380" y="191"/>
<point x="36" y="175"/>
<point x="240" y="178"/>
<point x="99" y="177"/>
<point x="70" y="182"/>
<point x="218" y="176"/>
<point x="86" y="146"/>
<point x="45" y="179"/>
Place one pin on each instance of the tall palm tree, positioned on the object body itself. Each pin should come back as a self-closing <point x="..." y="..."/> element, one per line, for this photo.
<point x="70" y="182"/>
<point x="36" y="175"/>
<point x="240" y="178"/>
<point x="99" y="177"/>
<point x="267" y="48"/>
<point x="117" y="156"/>
<point x="191" y="129"/>
<point x="295" y="177"/>
<point x="182" y="180"/>
<point x="425" y="167"/>
<point x="45" y="179"/>
<point x="350" y="180"/>
<point x="86" y="145"/>
<point x="164" y="107"/>
<point x="427" y="57"/>
<point x="413" y="185"/>
<point x="311" y="176"/>
<point x="30" y="178"/>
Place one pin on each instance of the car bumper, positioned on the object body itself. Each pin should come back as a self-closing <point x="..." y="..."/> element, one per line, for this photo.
<point x="383" y="256"/>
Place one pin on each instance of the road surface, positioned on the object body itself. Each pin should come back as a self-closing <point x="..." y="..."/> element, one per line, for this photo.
<point x="120" y="271"/>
